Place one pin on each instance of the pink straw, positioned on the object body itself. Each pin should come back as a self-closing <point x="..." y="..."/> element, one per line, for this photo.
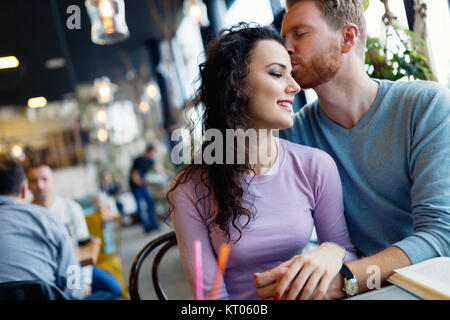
<point x="198" y="270"/>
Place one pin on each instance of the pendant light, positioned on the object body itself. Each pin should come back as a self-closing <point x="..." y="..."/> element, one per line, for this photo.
<point x="198" y="11"/>
<point x="108" y="21"/>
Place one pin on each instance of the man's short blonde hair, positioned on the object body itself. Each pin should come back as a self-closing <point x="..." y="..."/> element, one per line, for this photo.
<point x="338" y="13"/>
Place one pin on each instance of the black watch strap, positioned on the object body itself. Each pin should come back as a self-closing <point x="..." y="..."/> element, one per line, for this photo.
<point x="346" y="272"/>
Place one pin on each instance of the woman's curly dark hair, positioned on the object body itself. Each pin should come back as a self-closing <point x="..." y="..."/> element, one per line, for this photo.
<point x="224" y="102"/>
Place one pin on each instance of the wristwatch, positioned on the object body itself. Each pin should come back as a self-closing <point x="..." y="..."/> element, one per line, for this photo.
<point x="350" y="282"/>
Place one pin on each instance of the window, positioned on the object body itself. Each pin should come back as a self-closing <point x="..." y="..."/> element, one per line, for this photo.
<point x="248" y="11"/>
<point x="438" y="22"/>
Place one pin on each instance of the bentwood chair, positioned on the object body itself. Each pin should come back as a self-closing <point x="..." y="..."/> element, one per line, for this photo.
<point x="159" y="245"/>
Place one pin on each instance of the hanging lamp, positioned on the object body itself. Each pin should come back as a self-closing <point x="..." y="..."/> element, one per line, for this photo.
<point x="108" y="21"/>
<point x="104" y="90"/>
<point x="198" y="11"/>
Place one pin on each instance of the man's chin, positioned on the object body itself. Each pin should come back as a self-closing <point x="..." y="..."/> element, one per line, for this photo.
<point x="304" y="85"/>
<point x="303" y="82"/>
<point x="312" y="83"/>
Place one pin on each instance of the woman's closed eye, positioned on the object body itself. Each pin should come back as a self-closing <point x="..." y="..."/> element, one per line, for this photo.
<point x="276" y="74"/>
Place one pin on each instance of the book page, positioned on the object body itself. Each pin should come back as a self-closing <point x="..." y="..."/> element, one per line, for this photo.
<point x="433" y="273"/>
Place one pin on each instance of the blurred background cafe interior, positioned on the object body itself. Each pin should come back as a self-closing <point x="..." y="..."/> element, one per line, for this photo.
<point x="87" y="85"/>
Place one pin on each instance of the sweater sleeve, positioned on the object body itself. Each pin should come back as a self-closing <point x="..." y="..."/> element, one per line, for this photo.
<point x="328" y="213"/>
<point x="429" y="170"/>
<point x="189" y="222"/>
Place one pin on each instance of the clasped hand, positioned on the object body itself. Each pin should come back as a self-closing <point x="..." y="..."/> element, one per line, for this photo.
<point x="305" y="276"/>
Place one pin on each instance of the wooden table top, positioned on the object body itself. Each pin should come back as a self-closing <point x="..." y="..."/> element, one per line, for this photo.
<point x="88" y="254"/>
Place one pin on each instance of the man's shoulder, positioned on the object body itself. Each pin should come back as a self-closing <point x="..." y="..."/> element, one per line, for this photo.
<point x="32" y="209"/>
<point x="305" y="122"/>
<point x="137" y="160"/>
<point x="415" y="90"/>
<point x="29" y="212"/>
<point x="306" y="112"/>
<point x="70" y="204"/>
<point x="422" y="99"/>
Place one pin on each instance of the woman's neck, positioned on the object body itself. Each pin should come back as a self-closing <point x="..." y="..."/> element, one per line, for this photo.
<point x="265" y="152"/>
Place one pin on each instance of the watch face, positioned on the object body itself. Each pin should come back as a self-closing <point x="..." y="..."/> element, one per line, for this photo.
<point x="351" y="287"/>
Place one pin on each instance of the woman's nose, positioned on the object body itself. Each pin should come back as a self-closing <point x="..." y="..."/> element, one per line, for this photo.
<point x="293" y="87"/>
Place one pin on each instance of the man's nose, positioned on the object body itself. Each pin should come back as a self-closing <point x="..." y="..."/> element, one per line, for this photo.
<point x="289" y="47"/>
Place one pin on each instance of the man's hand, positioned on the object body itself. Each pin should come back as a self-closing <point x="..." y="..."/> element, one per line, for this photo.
<point x="87" y="290"/>
<point x="306" y="276"/>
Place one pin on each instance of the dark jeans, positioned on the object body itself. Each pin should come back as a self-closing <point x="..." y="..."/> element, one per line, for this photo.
<point x="104" y="286"/>
<point x="102" y="280"/>
<point x="141" y="193"/>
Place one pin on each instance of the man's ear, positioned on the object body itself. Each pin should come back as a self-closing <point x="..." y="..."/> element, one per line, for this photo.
<point x="23" y="191"/>
<point x="350" y="34"/>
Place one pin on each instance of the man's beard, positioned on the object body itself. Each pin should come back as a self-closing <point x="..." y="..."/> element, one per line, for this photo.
<point x="41" y="199"/>
<point x="320" y="69"/>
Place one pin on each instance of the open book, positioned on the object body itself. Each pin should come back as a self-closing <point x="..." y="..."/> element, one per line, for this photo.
<point x="429" y="279"/>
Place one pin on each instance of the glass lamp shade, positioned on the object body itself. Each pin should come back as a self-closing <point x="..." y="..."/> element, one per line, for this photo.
<point x="108" y="21"/>
<point x="198" y="11"/>
<point x="104" y="90"/>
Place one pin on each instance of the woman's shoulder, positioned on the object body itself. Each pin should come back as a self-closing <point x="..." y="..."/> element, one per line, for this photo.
<point x="190" y="181"/>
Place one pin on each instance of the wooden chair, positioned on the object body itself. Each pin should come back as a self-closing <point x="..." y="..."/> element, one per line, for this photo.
<point x="108" y="261"/>
<point x="167" y="241"/>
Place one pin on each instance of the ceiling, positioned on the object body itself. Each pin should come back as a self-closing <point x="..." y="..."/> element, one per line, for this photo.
<point x="35" y="31"/>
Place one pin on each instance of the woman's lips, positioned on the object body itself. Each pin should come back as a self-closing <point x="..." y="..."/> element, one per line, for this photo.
<point x="285" y="105"/>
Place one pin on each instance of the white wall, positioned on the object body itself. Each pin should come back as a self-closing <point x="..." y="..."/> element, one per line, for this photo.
<point x="76" y="182"/>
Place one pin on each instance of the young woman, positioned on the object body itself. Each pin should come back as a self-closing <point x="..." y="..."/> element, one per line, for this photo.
<point x="265" y="209"/>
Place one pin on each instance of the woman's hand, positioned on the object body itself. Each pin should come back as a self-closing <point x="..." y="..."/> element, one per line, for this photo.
<point x="309" y="275"/>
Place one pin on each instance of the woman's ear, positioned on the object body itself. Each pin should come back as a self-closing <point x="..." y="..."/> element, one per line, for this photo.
<point x="350" y="34"/>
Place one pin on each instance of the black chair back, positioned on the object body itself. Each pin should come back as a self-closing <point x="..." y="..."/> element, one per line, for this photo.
<point x="30" y="290"/>
<point x="167" y="241"/>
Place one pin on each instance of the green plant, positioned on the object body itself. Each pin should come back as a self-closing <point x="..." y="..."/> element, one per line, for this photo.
<point x="397" y="56"/>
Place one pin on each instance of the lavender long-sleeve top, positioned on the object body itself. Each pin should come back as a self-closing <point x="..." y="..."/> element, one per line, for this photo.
<point x="302" y="190"/>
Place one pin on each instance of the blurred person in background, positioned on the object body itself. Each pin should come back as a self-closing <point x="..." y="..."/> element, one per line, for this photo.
<point x="97" y="282"/>
<point x="112" y="188"/>
<point x="140" y="188"/>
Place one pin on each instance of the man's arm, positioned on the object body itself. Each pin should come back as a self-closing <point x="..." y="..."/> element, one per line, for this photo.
<point x="371" y="272"/>
<point x="136" y="178"/>
<point x="161" y="170"/>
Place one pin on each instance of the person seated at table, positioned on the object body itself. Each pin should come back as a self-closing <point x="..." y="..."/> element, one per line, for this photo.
<point x="112" y="188"/>
<point x="264" y="208"/>
<point x="34" y="244"/>
<point x="390" y="140"/>
<point x="41" y="184"/>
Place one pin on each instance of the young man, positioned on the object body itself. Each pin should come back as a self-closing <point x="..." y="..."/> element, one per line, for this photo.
<point x="391" y="143"/>
<point x="34" y="244"/>
<point x="139" y="187"/>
